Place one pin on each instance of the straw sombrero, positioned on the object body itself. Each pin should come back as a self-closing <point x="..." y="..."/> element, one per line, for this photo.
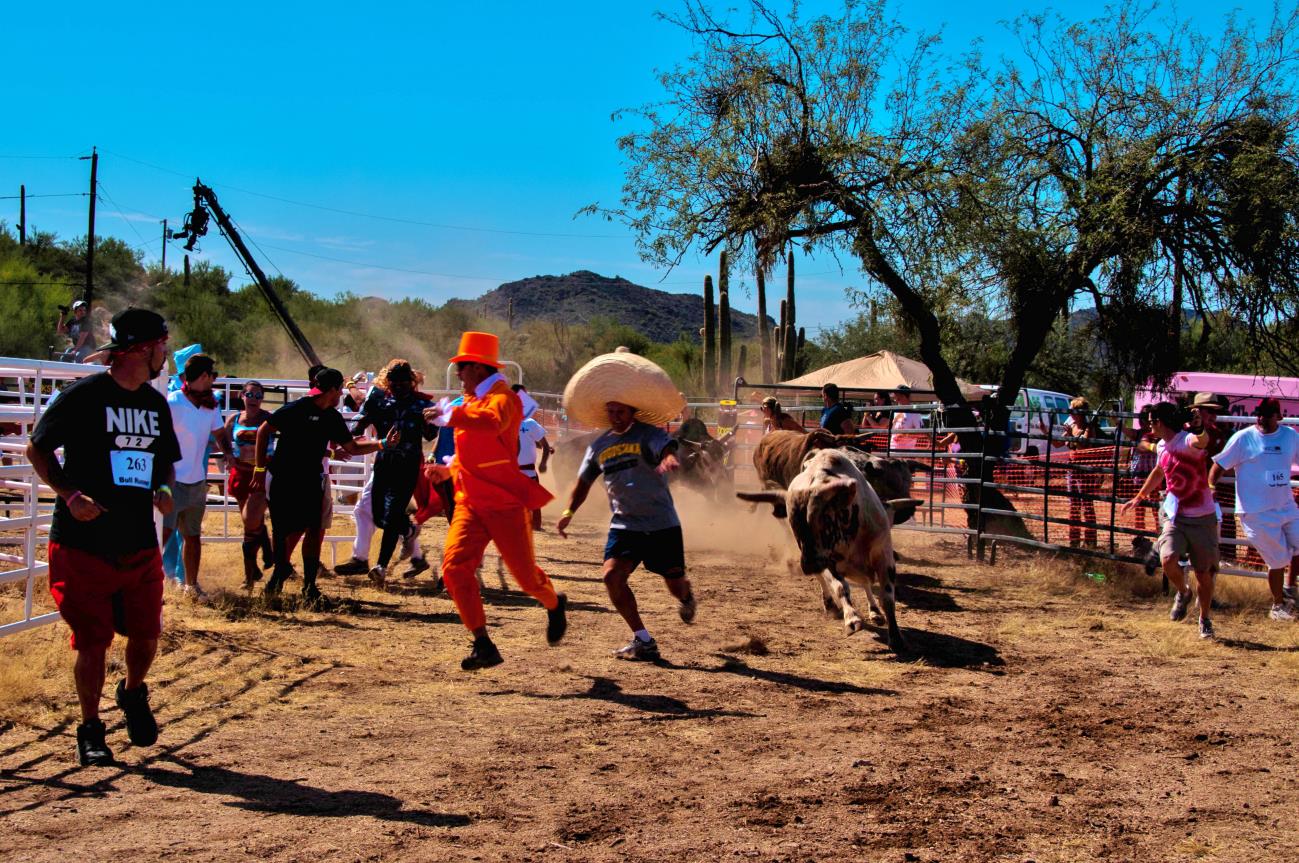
<point x="622" y="377"/>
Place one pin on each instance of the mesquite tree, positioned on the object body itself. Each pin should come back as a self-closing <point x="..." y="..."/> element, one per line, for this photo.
<point x="1122" y="162"/>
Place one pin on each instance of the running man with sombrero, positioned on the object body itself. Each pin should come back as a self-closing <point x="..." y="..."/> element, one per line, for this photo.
<point x="632" y="394"/>
<point x="492" y="496"/>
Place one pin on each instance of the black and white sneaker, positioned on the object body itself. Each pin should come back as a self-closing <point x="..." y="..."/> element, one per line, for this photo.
<point x="1206" y="629"/>
<point x="379" y="576"/>
<point x="417" y="565"/>
<point x="639" y="651"/>
<point x="1181" y="602"/>
<point x="92" y="751"/>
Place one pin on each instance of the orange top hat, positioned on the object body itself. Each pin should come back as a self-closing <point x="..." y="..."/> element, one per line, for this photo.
<point x="478" y="348"/>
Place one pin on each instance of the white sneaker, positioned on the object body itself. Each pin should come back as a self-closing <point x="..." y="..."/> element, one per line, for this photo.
<point x="1282" y="611"/>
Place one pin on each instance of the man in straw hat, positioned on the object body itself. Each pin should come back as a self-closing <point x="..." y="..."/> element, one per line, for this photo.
<point x="634" y="457"/>
<point x="492" y="496"/>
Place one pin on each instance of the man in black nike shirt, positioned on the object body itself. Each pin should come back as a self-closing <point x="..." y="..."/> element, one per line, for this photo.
<point x="119" y="451"/>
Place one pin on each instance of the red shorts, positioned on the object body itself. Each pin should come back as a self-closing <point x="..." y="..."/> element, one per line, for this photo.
<point x="238" y="480"/>
<point x="98" y="597"/>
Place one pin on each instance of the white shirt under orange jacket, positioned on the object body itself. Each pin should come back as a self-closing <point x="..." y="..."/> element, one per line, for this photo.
<point x="486" y="468"/>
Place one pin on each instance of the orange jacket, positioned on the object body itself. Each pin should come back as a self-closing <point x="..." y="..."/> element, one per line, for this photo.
<point x="486" y="467"/>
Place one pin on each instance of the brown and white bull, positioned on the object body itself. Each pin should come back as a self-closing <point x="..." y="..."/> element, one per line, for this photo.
<point x="844" y="535"/>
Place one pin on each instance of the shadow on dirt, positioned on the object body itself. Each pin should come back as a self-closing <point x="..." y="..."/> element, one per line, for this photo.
<point x="664" y="707"/>
<point x="920" y="579"/>
<point x="740" y="668"/>
<point x="1243" y="644"/>
<point x="948" y="651"/>
<point x="926" y="600"/>
<point x="260" y="793"/>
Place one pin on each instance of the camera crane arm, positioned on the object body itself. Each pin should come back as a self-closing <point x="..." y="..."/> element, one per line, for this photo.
<point x="196" y="226"/>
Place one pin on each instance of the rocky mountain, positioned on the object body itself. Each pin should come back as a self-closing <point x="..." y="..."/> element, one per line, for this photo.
<point x="582" y="296"/>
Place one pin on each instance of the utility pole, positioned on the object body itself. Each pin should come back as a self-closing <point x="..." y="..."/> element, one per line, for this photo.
<point x="22" y="215"/>
<point x="164" y="247"/>
<point x="186" y="271"/>
<point x="90" y="234"/>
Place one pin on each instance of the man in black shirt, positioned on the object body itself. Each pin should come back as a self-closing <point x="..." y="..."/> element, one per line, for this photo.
<point x="836" y="417"/>
<point x="306" y="428"/>
<point x="119" y="452"/>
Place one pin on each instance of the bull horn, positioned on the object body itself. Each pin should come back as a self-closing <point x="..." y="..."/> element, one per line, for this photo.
<point x="775" y="498"/>
<point x="904" y="503"/>
<point x="919" y="465"/>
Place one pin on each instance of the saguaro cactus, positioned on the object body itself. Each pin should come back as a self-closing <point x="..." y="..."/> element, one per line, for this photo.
<point x="742" y="362"/>
<point x="790" y="362"/>
<point x="724" y="378"/>
<point x="710" y="334"/>
<point x="764" y="343"/>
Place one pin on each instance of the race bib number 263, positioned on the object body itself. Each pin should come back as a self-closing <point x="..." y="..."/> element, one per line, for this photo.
<point x="132" y="468"/>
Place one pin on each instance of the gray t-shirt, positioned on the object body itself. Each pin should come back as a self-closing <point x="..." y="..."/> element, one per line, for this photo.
<point x="638" y="494"/>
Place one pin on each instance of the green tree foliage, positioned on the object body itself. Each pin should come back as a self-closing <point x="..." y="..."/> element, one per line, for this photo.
<point x="1109" y="164"/>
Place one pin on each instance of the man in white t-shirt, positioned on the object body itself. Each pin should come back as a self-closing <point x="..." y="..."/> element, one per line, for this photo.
<point x="195" y="416"/>
<point x="906" y="420"/>
<point x="532" y="436"/>
<point x="1263" y="456"/>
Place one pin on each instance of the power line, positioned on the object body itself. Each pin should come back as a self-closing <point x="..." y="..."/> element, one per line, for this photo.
<point x="40" y="157"/>
<point x="383" y="218"/>
<point x="129" y="223"/>
<point x="60" y="195"/>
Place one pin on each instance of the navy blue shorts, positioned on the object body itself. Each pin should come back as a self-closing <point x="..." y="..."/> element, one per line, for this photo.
<point x="661" y="551"/>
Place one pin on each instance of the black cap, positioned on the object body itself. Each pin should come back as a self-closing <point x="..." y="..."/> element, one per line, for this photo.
<point x="324" y="380"/>
<point x="131" y="327"/>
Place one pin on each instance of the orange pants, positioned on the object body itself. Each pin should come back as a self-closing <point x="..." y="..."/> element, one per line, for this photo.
<point x="467" y="537"/>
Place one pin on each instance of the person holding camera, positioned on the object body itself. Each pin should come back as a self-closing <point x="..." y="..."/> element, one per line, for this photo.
<point x="74" y="322"/>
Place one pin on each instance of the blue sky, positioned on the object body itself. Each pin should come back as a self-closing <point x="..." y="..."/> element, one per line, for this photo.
<point x="489" y="123"/>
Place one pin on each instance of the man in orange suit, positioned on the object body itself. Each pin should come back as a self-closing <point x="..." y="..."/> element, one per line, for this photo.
<point x="493" y="498"/>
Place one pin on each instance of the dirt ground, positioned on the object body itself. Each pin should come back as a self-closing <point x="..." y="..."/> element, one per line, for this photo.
<point x="1038" y="715"/>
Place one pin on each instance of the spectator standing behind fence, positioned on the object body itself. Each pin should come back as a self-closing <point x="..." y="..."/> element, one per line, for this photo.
<point x="836" y="417"/>
<point x="196" y="418"/>
<point x="906" y="421"/>
<point x="75" y="323"/>
<point x="775" y="418"/>
<point x="1191" y="516"/>
<point x="1141" y="462"/>
<point x="1263" y="457"/>
<point x="1080" y="433"/>
<point x="241" y="427"/>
